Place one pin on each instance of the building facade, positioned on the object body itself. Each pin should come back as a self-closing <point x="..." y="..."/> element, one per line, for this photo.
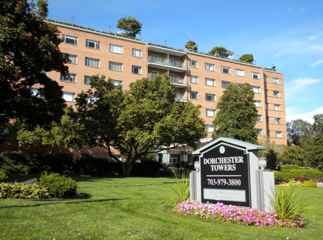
<point x="197" y="77"/>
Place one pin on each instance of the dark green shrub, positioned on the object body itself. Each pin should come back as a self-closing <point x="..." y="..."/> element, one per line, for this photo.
<point x="292" y="172"/>
<point x="58" y="186"/>
<point x="3" y="176"/>
<point x="23" y="191"/>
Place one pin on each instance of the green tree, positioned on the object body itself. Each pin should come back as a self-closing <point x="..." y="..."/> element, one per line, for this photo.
<point x="293" y="155"/>
<point x="130" y="25"/>
<point x="151" y="120"/>
<point x="247" y="58"/>
<point x="314" y="152"/>
<point x="221" y="52"/>
<point x="191" y="46"/>
<point x="318" y="124"/>
<point x="98" y="110"/>
<point x="237" y="114"/>
<point x="62" y="134"/>
<point x="28" y="49"/>
<point x="298" y="130"/>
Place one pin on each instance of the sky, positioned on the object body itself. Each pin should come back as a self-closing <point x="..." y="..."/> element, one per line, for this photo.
<point x="284" y="33"/>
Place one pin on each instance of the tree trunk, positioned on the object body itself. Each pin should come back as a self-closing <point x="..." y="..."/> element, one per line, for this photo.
<point x="127" y="167"/>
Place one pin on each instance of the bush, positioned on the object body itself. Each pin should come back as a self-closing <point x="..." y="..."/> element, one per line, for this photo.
<point x="3" y="176"/>
<point x="23" y="191"/>
<point x="309" y="183"/>
<point x="58" y="186"/>
<point x="287" y="203"/>
<point x="292" y="172"/>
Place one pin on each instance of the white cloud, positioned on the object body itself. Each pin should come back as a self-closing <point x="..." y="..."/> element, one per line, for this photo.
<point x="299" y="84"/>
<point x="306" y="116"/>
<point x="317" y="63"/>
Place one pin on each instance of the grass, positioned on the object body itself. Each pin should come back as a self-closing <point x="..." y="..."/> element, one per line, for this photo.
<point x="136" y="208"/>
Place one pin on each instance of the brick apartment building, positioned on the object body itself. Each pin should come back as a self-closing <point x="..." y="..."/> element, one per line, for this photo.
<point x="197" y="77"/>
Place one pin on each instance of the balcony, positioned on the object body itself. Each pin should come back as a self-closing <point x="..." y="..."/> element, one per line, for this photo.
<point x="178" y="81"/>
<point x="168" y="62"/>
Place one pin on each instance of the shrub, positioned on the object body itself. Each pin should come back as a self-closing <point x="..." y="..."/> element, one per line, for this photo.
<point x="287" y="203"/>
<point x="3" y="176"/>
<point x="23" y="191"/>
<point x="58" y="186"/>
<point x="181" y="187"/>
<point x="292" y="172"/>
<point x="309" y="183"/>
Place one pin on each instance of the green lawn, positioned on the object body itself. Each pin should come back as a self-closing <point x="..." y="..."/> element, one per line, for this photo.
<point x="136" y="208"/>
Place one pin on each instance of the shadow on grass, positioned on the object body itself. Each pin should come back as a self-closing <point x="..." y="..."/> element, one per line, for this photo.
<point x="64" y="201"/>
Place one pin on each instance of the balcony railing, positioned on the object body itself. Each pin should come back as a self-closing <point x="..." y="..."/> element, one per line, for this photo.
<point x="178" y="80"/>
<point x="166" y="62"/>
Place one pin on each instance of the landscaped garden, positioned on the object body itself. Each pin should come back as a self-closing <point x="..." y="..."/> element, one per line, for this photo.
<point x="137" y="208"/>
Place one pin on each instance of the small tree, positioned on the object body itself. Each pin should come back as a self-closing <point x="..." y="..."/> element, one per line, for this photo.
<point x="191" y="46"/>
<point x="237" y="114"/>
<point x="272" y="159"/>
<point x="98" y="110"/>
<point x="221" y="52"/>
<point x="130" y="25"/>
<point x="151" y="120"/>
<point x="247" y="58"/>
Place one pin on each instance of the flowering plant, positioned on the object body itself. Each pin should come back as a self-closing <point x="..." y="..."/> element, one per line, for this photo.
<point x="229" y="213"/>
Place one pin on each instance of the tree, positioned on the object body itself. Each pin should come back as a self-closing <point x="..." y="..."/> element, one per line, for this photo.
<point x="191" y="46"/>
<point x="318" y="124"/>
<point x="221" y="52"/>
<point x="151" y="120"/>
<point x="130" y="25"/>
<point x="237" y="114"/>
<point x="272" y="159"/>
<point x="28" y="49"/>
<point x="314" y="152"/>
<point x="293" y="155"/>
<point x="297" y="130"/>
<point x="247" y="58"/>
<point x="43" y="8"/>
<point x="98" y="110"/>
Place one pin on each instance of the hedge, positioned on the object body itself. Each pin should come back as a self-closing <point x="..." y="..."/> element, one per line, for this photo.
<point x="293" y="172"/>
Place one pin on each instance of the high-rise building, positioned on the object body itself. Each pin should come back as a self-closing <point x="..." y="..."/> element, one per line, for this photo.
<point x="197" y="77"/>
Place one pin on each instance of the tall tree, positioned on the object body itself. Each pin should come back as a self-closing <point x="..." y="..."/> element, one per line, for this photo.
<point x="298" y="130"/>
<point x="221" y="52"/>
<point x="98" y="110"/>
<point x="130" y="25"/>
<point x="152" y="120"/>
<point x="28" y="49"/>
<point x="318" y="124"/>
<point x="191" y="46"/>
<point x="247" y="58"/>
<point x="237" y="114"/>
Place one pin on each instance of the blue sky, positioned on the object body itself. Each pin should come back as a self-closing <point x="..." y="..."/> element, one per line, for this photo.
<point x="288" y="34"/>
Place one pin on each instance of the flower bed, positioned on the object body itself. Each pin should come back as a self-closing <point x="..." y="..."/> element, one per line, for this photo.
<point x="229" y="213"/>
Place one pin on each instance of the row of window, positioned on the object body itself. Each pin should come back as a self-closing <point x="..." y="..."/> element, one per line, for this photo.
<point x="93" y="44"/>
<point x="71" y="78"/>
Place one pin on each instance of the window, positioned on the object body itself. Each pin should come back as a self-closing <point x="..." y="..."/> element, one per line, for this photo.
<point x="277" y="120"/>
<point x="210" y="112"/>
<point x="136" y="52"/>
<point x="259" y="118"/>
<point x="278" y="134"/>
<point x="68" y="96"/>
<point x="209" y="67"/>
<point x="194" y="95"/>
<point x="276" y="80"/>
<point x="115" y="66"/>
<point x="88" y="80"/>
<point x="226" y="70"/>
<point x="209" y="128"/>
<point x="136" y="69"/>
<point x="276" y="93"/>
<point x="117" y="83"/>
<point x="240" y="73"/>
<point x="225" y="84"/>
<point x="256" y="89"/>
<point x="92" y="44"/>
<point x="259" y="131"/>
<point x="70" y="39"/>
<point x="194" y="79"/>
<point x="194" y="63"/>
<point x="71" y="59"/>
<point x="258" y="103"/>
<point x="210" y="97"/>
<point x="255" y="76"/>
<point x="210" y="82"/>
<point x="276" y="107"/>
<point x="92" y="62"/>
<point x="68" y="78"/>
<point x="116" y="49"/>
